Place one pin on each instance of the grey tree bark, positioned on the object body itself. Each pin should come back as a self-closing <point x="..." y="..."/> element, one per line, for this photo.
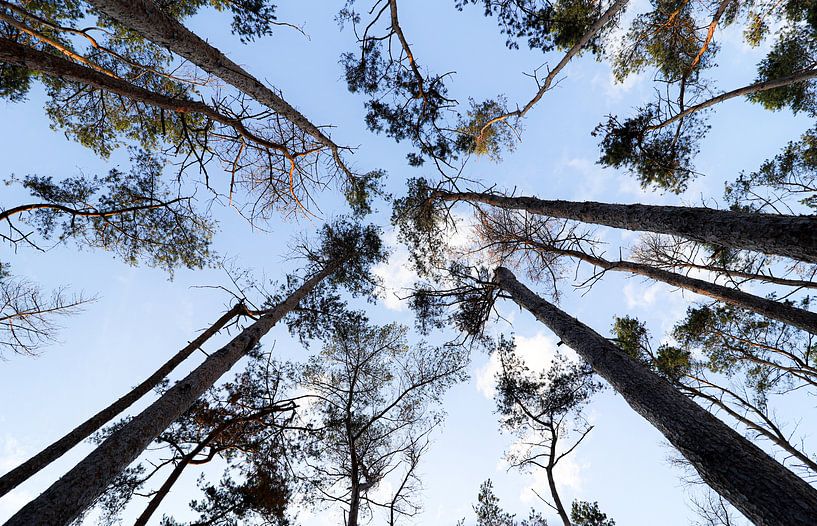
<point x="761" y="488"/>
<point x="67" y="498"/>
<point x="27" y="469"/>
<point x="147" y="19"/>
<point x="790" y="236"/>
<point x="800" y="318"/>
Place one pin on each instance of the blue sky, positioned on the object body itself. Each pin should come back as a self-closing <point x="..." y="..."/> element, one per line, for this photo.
<point x="141" y="317"/>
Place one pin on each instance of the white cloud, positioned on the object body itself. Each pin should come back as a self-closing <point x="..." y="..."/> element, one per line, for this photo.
<point x="639" y="296"/>
<point x="537" y="351"/>
<point x="615" y="90"/>
<point x="12" y="453"/>
<point x="396" y="274"/>
<point x="397" y="277"/>
<point x="599" y="183"/>
<point x="569" y="475"/>
<point x="569" y="472"/>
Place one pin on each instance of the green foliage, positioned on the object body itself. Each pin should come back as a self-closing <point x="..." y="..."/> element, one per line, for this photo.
<point x="421" y="223"/>
<point x="15" y="81"/>
<point x="103" y="121"/>
<point x="360" y="191"/>
<point x="666" y="38"/>
<point x="673" y="363"/>
<point x="406" y="102"/>
<point x="476" y="137"/>
<point x="770" y="355"/>
<point x="530" y="402"/>
<point x="791" y="174"/>
<point x="661" y="158"/>
<point x="588" y="514"/>
<point x="462" y="297"/>
<point x="490" y="513"/>
<point x="543" y="25"/>
<point x="264" y="492"/>
<point x="243" y="423"/>
<point x="632" y="337"/>
<point x="375" y="403"/>
<point x="803" y="11"/>
<point x="400" y="105"/>
<point x="359" y="247"/>
<point x="130" y="214"/>
<point x="794" y="52"/>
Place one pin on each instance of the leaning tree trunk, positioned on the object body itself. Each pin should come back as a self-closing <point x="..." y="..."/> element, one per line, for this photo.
<point x="761" y="488"/>
<point x="185" y="461"/>
<point x="54" y="66"/>
<point x="800" y="318"/>
<point x="790" y="236"/>
<point x="554" y="491"/>
<point x="147" y="19"/>
<point x="27" y="469"/>
<point x="67" y="498"/>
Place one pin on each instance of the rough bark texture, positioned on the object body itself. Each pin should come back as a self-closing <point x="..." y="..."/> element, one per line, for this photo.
<point x="791" y="236"/>
<point x="51" y="453"/>
<point x="147" y="19"/>
<point x="761" y="488"/>
<point x="800" y="318"/>
<point x="67" y="498"/>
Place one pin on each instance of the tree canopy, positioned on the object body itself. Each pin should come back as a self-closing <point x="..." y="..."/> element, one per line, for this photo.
<point x="338" y="249"/>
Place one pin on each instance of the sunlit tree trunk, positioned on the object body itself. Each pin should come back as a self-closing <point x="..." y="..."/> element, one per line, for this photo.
<point x="27" y="469"/>
<point x="54" y="66"/>
<point x="791" y="236"/>
<point x="67" y="498"/>
<point x="147" y="19"/>
<point x="762" y="489"/>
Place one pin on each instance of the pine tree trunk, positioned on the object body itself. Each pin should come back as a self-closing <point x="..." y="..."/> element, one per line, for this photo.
<point x="790" y="236"/>
<point x="190" y="457"/>
<point x="54" y="66"/>
<point x="800" y="318"/>
<point x="762" y="489"/>
<point x="67" y="498"/>
<point x="554" y="492"/>
<point x="354" y="505"/>
<point x="164" y="489"/>
<point x="147" y="19"/>
<point x="24" y="471"/>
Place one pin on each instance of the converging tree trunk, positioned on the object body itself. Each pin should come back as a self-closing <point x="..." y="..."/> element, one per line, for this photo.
<point x="147" y="19"/>
<point x="55" y="66"/>
<point x="67" y="498"/>
<point x="27" y="469"/>
<point x="783" y="235"/>
<point x="800" y="318"/>
<point x="762" y="489"/>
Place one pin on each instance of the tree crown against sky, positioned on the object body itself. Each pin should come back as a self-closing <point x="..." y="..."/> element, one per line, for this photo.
<point x="239" y="147"/>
